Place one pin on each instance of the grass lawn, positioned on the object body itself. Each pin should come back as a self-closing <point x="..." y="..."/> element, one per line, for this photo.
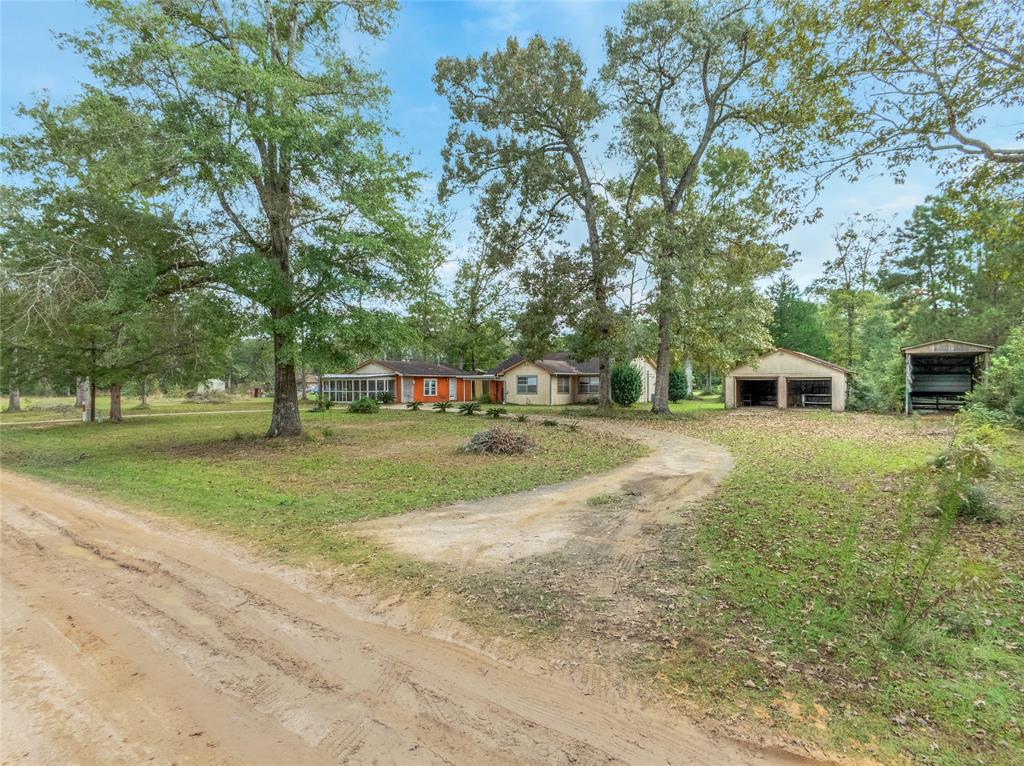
<point x="63" y="407"/>
<point x="789" y="578"/>
<point x="639" y="411"/>
<point x="294" y="495"/>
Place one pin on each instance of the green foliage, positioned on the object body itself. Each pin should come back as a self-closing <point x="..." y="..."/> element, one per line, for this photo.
<point x="273" y="132"/>
<point x="1003" y="386"/>
<point x="796" y="323"/>
<point x="469" y="408"/>
<point x="627" y="385"/>
<point x="442" y="407"/>
<point x="496" y="412"/>
<point x="413" y="405"/>
<point x="677" y="385"/>
<point x="386" y="397"/>
<point x="521" y="417"/>
<point x="364" y="406"/>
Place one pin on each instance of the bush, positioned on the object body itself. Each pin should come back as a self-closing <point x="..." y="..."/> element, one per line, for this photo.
<point x="386" y="397"/>
<point x="364" y="406"/>
<point x="413" y="405"/>
<point x="442" y="407"/>
<point x="676" y="385"/>
<point x="499" y="440"/>
<point x="521" y="417"/>
<point x="495" y="412"/>
<point x="965" y="500"/>
<point x="627" y="385"/>
<point x="1003" y="386"/>
<point x="469" y="408"/>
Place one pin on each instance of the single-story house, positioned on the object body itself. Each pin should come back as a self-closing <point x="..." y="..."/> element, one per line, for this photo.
<point x="213" y="384"/>
<point x="941" y="373"/>
<point x="558" y="378"/>
<point x="787" y="379"/>
<point x="407" y="381"/>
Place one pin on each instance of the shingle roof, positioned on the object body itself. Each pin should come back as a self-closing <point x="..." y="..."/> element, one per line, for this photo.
<point x="559" y="363"/>
<point x="417" y="367"/>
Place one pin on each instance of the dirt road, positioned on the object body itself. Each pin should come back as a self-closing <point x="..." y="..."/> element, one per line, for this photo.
<point x="131" y="639"/>
<point x="605" y="511"/>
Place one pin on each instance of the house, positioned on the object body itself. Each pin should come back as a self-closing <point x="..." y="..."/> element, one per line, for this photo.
<point x="406" y="381"/>
<point x="787" y="379"/>
<point x="941" y="373"/>
<point x="213" y="384"/>
<point x="558" y="378"/>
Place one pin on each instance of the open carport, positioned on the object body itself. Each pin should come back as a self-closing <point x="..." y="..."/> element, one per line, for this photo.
<point x="941" y="373"/>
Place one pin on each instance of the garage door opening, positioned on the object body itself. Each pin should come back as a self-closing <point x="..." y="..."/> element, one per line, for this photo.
<point x="758" y="393"/>
<point x="809" y="393"/>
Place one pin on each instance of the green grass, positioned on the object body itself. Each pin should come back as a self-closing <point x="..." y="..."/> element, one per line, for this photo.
<point x="36" y="408"/>
<point x="294" y="496"/>
<point x="639" y="411"/>
<point x="790" y="584"/>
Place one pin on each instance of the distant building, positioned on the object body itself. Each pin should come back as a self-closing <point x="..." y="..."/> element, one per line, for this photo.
<point x="213" y="384"/>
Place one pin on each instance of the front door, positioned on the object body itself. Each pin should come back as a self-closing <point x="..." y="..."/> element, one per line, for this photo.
<point x="452" y="383"/>
<point x="406" y="389"/>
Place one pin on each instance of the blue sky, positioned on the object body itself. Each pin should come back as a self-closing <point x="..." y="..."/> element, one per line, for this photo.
<point x="32" y="62"/>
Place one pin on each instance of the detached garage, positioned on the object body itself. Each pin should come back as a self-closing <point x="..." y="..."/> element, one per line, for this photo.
<point x="788" y="380"/>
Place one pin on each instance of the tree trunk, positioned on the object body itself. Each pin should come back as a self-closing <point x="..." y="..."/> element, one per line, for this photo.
<point x="689" y="378"/>
<point x="81" y="392"/>
<point x="14" y="400"/>
<point x="144" y="394"/>
<point x="285" y="419"/>
<point x="92" y="400"/>
<point x="663" y="365"/>
<point x="302" y="374"/>
<point x="604" y="381"/>
<point x="115" y="403"/>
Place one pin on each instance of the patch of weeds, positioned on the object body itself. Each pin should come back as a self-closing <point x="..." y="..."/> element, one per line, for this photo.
<point x="607" y="500"/>
<point x="549" y="423"/>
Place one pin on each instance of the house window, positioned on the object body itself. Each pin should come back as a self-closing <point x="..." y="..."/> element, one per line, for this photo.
<point x="430" y="386"/>
<point x="526" y="384"/>
<point x="563" y="384"/>
<point x="589" y="384"/>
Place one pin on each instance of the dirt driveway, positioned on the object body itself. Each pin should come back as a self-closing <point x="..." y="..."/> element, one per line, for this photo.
<point x="131" y="639"/>
<point x="605" y="511"/>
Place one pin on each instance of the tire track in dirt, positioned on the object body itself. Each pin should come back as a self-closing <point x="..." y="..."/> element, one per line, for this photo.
<point x="128" y="639"/>
<point x="495" y="531"/>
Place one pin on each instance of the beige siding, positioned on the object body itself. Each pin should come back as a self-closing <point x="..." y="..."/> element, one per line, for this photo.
<point x="647" y="372"/>
<point x="544" y="383"/>
<point x="780" y="365"/>
<point x="373" y="369"/>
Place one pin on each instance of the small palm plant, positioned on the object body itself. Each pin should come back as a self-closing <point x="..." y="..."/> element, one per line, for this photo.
<point x="413" y="405"/>
<point x="442" y="406"/>
<point x="469" y="408"/>
<point x="522" y="417"/>
<point x="495" y="412"/>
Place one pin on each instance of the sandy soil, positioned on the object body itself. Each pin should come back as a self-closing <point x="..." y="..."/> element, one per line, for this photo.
<point x="499" y="530"/>
<point x="131" y="639"/>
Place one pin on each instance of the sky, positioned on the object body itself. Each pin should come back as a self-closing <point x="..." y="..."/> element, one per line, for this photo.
<point x="32" y="63"/>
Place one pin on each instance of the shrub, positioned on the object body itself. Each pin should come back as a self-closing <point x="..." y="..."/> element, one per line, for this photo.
<point x="442" y="407"/>
<point x="484" y="398"/>
<point x="413" y="405"/>
<point x="364" y="405"/>
<point x="549" y="423"/>
<point x="499" y="440"/>
<point x="495" y="412"/>
<point x="1003" y="386"/>
<point x="469" y="408"/>
<point x="676" y="385"/>
<point x="386" y="397"/>
<point x="522" y="417"/>
<point x="965" y="500"/>
<point x="627" y="385"/>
